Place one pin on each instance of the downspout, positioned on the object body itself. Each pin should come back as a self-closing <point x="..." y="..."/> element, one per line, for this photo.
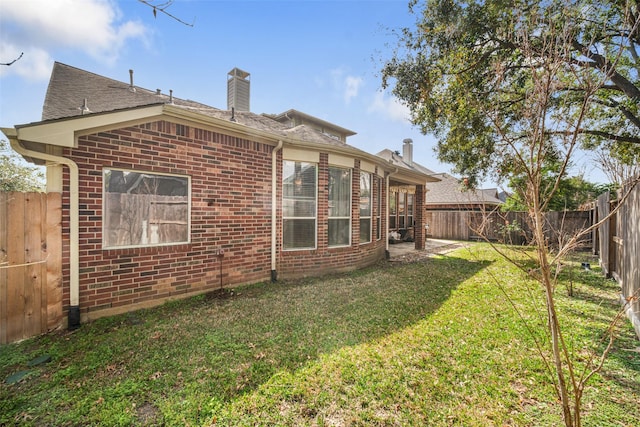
<point x="73" y="316"/>
<point x="274" y="210"/>
<point x="386" y="252"/>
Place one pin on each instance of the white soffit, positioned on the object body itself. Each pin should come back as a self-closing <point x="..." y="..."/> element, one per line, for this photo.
<point x="63" y="133"/>
<point x="342" y="161"/>
<point x="367" y="167"/>
<point x="297" y="154"/>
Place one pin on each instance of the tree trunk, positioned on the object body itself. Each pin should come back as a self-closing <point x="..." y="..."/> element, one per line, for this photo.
<point x="552" y="318"/>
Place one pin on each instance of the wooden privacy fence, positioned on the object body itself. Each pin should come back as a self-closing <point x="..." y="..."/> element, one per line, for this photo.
<point x="30" y="264"/>
<point x="509" y="227"/>
<point x="619" y="246"/>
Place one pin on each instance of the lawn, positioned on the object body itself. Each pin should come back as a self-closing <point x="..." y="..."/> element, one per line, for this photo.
<point x="436" y="342"/>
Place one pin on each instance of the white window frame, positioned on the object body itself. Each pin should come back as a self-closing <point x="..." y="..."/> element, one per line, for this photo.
<point x="378" y="207"/>
<point x="336" y="218"/>
<point x="314" y="218"/>
<point x="410" y="209"/>
<point x="149" y="236"/>
<point x="370" y="204"/>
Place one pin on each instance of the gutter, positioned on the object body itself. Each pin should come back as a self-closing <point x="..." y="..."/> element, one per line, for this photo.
<point x="73" y="315"/>
<point x="274" y="210"/>
<point x="389" y="175"/>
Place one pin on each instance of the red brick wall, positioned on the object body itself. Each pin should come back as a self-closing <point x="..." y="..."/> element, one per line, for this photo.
<point x="230" y="211"/>
<point x="324" y="260"/>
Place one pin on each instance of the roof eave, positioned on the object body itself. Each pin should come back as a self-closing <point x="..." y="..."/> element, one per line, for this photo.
<point x="65" y="132"/>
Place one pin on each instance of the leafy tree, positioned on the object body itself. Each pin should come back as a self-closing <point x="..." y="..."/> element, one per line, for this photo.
<point x="572" y="193"/>
<point x="465" y="58"/>
<point x="512" y="89"/>
<point x="15" y="175"/>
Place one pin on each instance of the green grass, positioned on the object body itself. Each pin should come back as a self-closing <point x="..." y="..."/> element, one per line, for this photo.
<point x="426" y="343"/>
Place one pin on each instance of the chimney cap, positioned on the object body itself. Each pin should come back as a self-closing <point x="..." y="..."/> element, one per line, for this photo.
<point x="237" y="72"/>
<point x="408" y="141"/>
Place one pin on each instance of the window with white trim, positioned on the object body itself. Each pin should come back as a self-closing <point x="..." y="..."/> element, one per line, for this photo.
<point x="402" y="213"/>
<point x="378" y="208"/>
<point x="299" y="204"/>
<point x="393" y="211"/>
<point x="409" y="210"/>
<point x="145" y="209"/>
<point x="365" y="207"/>
<point x="339" y="228"/>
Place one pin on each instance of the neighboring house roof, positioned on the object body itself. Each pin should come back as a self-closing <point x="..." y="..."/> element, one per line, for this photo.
<point x="444" y="190"/>
<point x="449" y="191"/>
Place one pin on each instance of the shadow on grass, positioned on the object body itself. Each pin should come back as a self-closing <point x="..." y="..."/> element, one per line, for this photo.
<point x="216" y="348"/>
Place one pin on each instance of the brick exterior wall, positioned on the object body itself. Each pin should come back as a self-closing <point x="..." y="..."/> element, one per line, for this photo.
<point x="230" y="211"/>
<point x="323" y="259"/>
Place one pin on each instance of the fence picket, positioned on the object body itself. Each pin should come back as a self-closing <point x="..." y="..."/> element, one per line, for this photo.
<point x="31" y="253"/>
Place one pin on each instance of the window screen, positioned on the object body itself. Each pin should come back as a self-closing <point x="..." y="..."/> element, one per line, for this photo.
<point x="145" y="209"/>
<point x="339" y="206"/>
<point x="365" y="207"/>
<point x="299" y="204"/>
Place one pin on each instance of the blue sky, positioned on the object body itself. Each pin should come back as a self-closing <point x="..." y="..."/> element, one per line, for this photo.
<point x="321" y="57"/>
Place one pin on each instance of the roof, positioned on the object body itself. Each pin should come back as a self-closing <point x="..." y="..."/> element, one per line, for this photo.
<point x="397" y="160"/>
<point x="449" y="191"/>
<point x="80" y="100"/>
<point x="444" y="189"/>
<point x="295" y="113"/>
<point x="72" y="89"/>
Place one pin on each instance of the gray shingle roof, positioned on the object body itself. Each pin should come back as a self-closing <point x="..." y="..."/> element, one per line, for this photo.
<point x="397" y="160"/>
<point x="70" y="86"/>
<point x="450" y="191"/>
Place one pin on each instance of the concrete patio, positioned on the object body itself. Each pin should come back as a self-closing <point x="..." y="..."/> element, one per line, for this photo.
<point x="406" y="251"/>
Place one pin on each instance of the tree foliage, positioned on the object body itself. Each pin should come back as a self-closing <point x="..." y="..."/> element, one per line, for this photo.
<point x="462" y="71"/>
<point x="572" y="193"/>
<point x="514" y="88"/>
<point x="15" y="175"/>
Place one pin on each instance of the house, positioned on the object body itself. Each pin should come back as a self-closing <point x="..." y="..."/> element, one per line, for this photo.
<point x="165" y="198"/>
<point x="445" y="194"/>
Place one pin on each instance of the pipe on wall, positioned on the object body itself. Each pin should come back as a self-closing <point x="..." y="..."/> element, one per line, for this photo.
<point x="73" y="315"/>
<point x="274" y="210"/>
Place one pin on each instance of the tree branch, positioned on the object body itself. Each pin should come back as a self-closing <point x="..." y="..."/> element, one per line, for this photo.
<point x="607" y="135"/>
<point x="601" y="63"/>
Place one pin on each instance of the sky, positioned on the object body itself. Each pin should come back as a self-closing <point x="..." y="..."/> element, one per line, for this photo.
<point x="321" y="57"/>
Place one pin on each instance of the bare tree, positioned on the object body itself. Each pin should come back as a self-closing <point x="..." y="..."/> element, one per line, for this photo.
<point x="528" y="152"/>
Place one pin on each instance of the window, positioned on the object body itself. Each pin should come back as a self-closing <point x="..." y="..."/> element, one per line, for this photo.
<point x="339" y="206"/>
<point x="401" y="211"/>
<point x="392" y="210"/>
<point x="365" y="207"/>
<point x="378" y="208"/>
<point x="409" y="210"/>
<point x="299" y="204"/>
<point x="145" y="209"/>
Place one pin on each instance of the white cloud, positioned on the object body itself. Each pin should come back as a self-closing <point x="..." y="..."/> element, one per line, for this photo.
<point x="390" y="107"/>
<point x="38" y="27"/>
<point x="346" y="85"/>
<point x="352" y="86"/>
